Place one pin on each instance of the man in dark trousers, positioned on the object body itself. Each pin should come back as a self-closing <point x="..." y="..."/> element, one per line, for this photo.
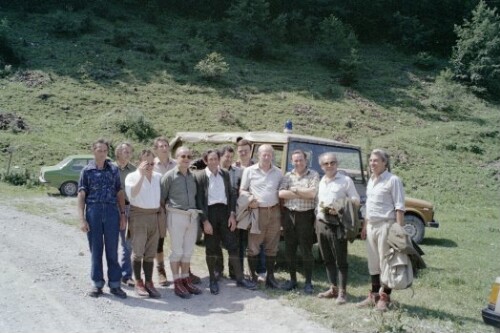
<point x="214" y="198"/>
<point x="101" y="209"/>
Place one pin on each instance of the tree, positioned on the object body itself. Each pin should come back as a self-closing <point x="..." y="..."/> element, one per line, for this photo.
<point x="476" y="55"/>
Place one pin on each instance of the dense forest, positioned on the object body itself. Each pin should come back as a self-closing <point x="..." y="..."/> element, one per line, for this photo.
<point x="464" y="31"/>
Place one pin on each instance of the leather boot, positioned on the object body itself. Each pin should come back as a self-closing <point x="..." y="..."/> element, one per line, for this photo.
<point x="383" y="302"/>
<point x="270" y="280"/>
<point x="371" y="300"/>
<point x="252" y="265"/>
<point x="191" y="288"/>
<point x="160" y="266"/>
<point x="180" y="290"/>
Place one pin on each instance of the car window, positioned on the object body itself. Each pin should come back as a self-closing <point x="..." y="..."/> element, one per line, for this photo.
<point x="63" y="162"/>
<point x="78" y="165"/>
<point x="349" y="159"/>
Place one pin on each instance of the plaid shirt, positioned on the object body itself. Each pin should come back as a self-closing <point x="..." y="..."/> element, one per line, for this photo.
<point x="309" y="180"/>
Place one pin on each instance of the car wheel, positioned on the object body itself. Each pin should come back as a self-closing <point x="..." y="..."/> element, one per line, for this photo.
<point x="69" y="189"/>
<point x="415" y="227"/>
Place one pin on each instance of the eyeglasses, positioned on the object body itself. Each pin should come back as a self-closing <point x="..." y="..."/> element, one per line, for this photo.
<point x="186" y="156"/>
<point x="331" y="163"/>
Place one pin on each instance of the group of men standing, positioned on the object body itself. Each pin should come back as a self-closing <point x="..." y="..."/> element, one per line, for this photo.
<point x="237" y="205"/>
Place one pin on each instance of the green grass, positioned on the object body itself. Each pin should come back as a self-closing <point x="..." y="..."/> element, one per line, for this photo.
<point x="444" y="141"/>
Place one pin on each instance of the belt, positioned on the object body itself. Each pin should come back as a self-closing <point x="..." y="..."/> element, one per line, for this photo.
<point x="217" y="205"/>
<point x="269" y="207"/>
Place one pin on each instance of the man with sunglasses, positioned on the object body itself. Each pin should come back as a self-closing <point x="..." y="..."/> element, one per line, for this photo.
<point x="334" y="187"/>
<point x="178" y="195"/>
<point x="298" y="189"/>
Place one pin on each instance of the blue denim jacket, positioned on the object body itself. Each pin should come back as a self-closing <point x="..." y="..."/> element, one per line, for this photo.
<point x="100" y="185"/>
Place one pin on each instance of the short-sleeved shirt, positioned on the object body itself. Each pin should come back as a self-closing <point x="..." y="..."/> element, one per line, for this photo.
<point x="162" y="168"/>
<point x="124" y="172"/>
<point x="149" y="194"/>
<point x="263" y="185"/>
<point x="341" y="186"/>
<point x="178" y="190"/>
<point x="383" y="197"/>
<point x="100" y="185"/>
<point x="309" y="179"/>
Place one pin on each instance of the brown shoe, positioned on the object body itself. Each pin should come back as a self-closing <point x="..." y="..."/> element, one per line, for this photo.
<point x="151" y="290"/>
<point x="370" y="300"/>
<point x="383" y="302"/>
<point x="180" y="290"/>
<point x="191" y="288"/>
<point x="333" y="292"/>
<point x="162" y="277"/>
<point x="194" y="279"/>
<point x="341" y="298"/>
<point x="140" y="289"/>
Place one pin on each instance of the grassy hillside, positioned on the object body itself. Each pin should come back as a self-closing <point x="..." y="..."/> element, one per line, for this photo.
<point x="74" y="88"/>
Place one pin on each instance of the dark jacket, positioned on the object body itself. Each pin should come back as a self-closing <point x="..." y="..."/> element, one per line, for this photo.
<point x="202" y="192"/>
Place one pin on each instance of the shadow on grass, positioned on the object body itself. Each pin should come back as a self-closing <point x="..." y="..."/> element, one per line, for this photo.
<point x="426" y="313"/>
<point x="439" y="242"/>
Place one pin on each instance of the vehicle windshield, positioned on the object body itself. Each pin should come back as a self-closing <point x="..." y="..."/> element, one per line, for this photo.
<point x="63" y="162"/>
<point x="349" y="158"/>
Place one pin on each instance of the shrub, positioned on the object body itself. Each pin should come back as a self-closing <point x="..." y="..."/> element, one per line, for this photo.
<point x="476" y="55"/>
<point x="424" y="60"/>
<point x="248" y="22"/>
<point x="409" y="33"/>
<point x="20" y="178"/>
<point x="212" y="67"/>
<point x="135" y="125"/>
<point x="7" y="54"/>
<point x="447" y="95"/>
<point x="65" y="25"/>
<point x="335" y="41"/>
<point x="349" y="68"/>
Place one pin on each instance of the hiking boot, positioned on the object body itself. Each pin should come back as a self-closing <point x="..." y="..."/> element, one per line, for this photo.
<point x="370" y="300"/>
<point x="118" y="292"/>
<point x="129" y="282"/>
<point x="289" y="285"/>
<point x="162" y="277"/>
<point x="191" y="288"/>
<point x="151" y="290"/>
<point x="180" y="290"/>
<point x="95" y="292"/>
<point x="383" y="302"/>
<point x="271" y="282"/>
<point x="193" y="278"/>
<point x="333" y="292"/>
<point x="308" y="288"/>
<point x="341" y="298"/>
<point x="140" y="289"/>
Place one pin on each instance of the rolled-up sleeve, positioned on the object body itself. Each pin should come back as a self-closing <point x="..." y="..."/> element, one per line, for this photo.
<point x="398" y="194"/>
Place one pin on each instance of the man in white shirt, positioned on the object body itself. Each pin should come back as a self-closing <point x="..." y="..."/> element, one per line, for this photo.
<point x="385" y="204"/>
<point x="333" y="188"/>
<point x="262" y="181"/>
<point x="143" y="190"/>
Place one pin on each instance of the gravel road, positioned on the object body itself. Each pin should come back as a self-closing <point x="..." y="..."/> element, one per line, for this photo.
<point x="44" y="274"/>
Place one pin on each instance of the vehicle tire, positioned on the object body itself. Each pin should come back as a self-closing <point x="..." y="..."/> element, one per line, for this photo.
<point x="415" y="227"/>
<point x="69" y="189"/>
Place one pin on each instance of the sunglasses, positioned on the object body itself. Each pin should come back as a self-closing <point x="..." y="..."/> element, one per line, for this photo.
<point x="331" y="163"/>
<point x="186" y="156"/>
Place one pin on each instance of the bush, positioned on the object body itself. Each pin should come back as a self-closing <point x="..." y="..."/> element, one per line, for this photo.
<point x="7" y="54"/>
<point x="446" y="95"/>
<point x="424" y="60"/>
<point x="476" y="55"/>
<point x="134" y="125"/>
<point x="248" y="22"/>
<point x="349" y="68"/>
<point x="65" y="25"/>
<point x="335" y="41"/>
<point x="20" y="178"/>
<point x="409" y="33"/>
<point x="212" y="67"/>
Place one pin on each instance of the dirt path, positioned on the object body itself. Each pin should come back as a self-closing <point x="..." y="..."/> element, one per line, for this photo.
<point x="44" y="274"/>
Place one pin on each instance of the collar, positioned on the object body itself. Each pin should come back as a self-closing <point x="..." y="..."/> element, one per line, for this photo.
<point x="92" y="165"/>
<point x="209" y="173"/>
<point x="308" y="171"/>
